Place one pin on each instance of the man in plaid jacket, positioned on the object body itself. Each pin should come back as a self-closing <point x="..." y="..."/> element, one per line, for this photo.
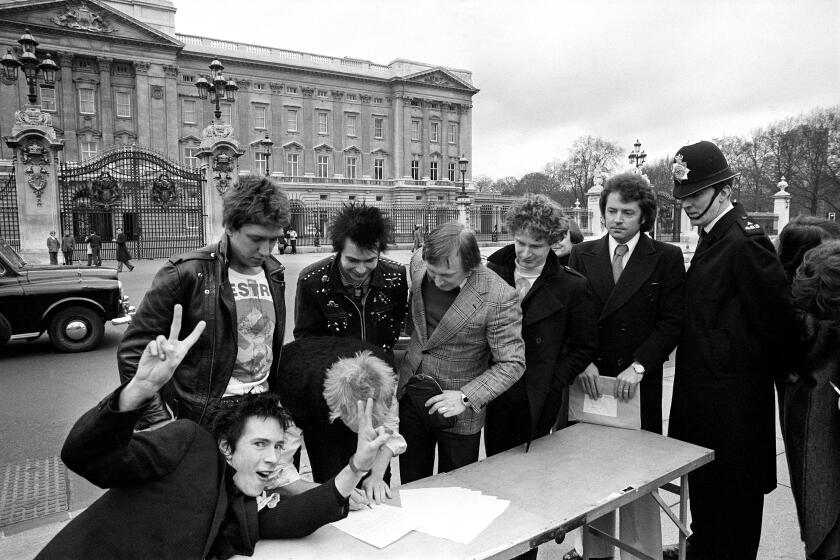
<point x="465" y="350"/>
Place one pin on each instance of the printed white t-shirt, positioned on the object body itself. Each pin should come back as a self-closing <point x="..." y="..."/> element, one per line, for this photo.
<point x="255" y="323"/>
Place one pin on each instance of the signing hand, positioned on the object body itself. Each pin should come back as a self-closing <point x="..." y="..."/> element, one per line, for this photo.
<point x="448" y="403"/>
<point x="589" y="380"/>
<point x="376" y="489"/>
<point x="358" y="500"/>
<point x="158" y="363"/>
<point x="626" y="383"/>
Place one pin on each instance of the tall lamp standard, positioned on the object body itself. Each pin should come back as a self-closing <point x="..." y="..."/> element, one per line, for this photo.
<point x="462" y="165"/>
<point x="463" y="200"/>
<point x="637" y="156"/>
<point x="266" y="144"/>
<point x="217" y="86"/>
<point x="31" y="65"/>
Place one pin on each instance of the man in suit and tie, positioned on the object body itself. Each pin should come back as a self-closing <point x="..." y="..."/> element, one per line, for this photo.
<point x="462" y="315"/>
<point x="638" y="284"/>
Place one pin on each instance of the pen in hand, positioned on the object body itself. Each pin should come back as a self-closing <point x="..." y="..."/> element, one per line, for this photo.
<point x="836" y="390"/>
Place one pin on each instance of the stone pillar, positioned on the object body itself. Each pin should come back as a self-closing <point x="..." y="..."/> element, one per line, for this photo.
<point x="144" y="119"/>
<point x="593" y="196"/>
<point x="688" y="233"/>
<point x="67" y="106"/>
<point x="425" y="141"/>
<point x="464" y="202"/>
<point x="173" y="120"/>
<point x="396" y="139"/>
<point x="307" y="123"/>
<point x="219" y="156"/>
<point x="35" y="147"/>
<point x="781" y="205"/>
<point x="106" y="121"/>
<point x="465" y="134"/>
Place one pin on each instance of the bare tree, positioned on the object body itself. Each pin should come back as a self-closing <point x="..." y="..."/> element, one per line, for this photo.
<point x="589" y="157"/>
<point x="483" y="184"/>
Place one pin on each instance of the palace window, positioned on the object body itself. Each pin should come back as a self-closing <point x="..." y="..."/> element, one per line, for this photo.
<point x="434" y="132"/>
<point x="433" y="170"/>
<point x="188" y="111"/>
<point x="226" y="113"/>
<point x="292" y="165"/>
<point x="122" y="100"/>
<point x="323" y="123"/>
<point x="87" y="101"/>
<point x="291" y="120"/>
<point x="188" y="78"/>
<point x="452" y="171"/>
<point x="378" y="168"/>
<point x="88" y="149"/>
<point x="453" y="133"/>
<point x="377" y="100"/>
<point x="415" y="130"/>
<point x="351" y="97"/>
<point x="323" y="94"/>
<point x="415" y="169"/>
<point x="291" y="90"/>
<point x="259" y="116"/>
<point x="259" y="86"/>
<point x="323" y="167"/>
<point x="351" y="125"/>
<point x="378" y="128"/>
<point x="47" y="98"/>
<point x="261" y="162"/>
<point x="351" y="167"/>
<point x="190" y="159"/>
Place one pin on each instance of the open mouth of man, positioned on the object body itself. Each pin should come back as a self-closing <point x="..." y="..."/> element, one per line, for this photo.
<point x="264" y="475"/>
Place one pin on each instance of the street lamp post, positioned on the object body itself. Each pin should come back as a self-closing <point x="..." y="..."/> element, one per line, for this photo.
<point x="217" y="86"/>
<point x="637" y="156"/>
<point x="463" y="200"/>
<point x="31" y="65"/>
<point x="266" y="143"/>
<point x="462" y="164"/>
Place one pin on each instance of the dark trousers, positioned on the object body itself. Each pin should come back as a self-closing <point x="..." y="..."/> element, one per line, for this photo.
<point x="294" y="245"/>
<point x="454" y="450"/>
<point x="725" y="525"/>
<point x="93" y="257"/>
<point x="53" y="258"/>
<point x="68" y="257"/>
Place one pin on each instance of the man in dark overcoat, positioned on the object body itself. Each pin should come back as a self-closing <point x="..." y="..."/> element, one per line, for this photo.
<point x="736" y="327"/>
<point x="558" y="324"/>
<point x="639" y="296"/>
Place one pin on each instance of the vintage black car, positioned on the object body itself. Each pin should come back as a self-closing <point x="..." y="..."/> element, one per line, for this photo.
<point x="70" y="303"/>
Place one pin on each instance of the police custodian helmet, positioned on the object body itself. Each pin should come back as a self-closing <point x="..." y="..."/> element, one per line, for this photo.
<point x="698" y="166"/>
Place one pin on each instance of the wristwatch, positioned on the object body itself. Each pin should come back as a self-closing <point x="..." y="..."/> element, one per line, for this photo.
<point x="465" y="400"/>
<point x="355" y="469"/>
<point x="638" y="368"/>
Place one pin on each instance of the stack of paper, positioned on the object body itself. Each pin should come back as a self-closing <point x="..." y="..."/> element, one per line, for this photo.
<point x="456" y="514"/>
<point x="379" y="526"/>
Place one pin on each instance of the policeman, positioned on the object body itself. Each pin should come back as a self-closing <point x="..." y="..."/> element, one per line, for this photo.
<point x="735" y="324"/>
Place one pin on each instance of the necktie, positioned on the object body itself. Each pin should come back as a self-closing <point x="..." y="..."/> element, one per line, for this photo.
<point x="617" y="264"/>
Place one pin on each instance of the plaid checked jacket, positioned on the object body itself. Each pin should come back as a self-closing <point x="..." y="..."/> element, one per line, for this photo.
<point x="484" y="322"/>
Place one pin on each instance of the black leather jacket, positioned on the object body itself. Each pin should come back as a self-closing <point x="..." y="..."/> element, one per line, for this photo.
<point x="323" y="309"/>
<point x="199" y="282"/>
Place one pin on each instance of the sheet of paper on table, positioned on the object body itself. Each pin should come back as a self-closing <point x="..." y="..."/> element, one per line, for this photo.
<point x="607" y="405"/>
<point x="379" y="526"/>
<point x="456" y="514"/>
<point x="606" y="411"/>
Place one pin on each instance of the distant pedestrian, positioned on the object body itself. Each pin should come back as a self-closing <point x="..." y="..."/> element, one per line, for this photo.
<point x="418" y="237"/>
<point x="95" y="246"/>
<point x="282" y="243"/>
<point x="53" y="245"/>
<point x="293" y="240"/>
<point x="123" y="256"/>
<point x="67" y="242"/>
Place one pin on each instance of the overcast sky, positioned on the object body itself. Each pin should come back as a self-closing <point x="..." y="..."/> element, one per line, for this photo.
<point x="667" y="72"/>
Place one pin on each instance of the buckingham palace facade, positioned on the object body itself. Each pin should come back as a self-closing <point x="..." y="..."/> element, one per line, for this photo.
<point x="341" y="129"/>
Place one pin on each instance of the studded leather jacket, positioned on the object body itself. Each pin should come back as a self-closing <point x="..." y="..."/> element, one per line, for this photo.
<point x="324" y="308"/>
<point x="199" y="282"/>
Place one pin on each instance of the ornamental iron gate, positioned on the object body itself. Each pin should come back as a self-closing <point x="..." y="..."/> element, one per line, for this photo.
<point x="157" y="203"/>
<point x="9" y="220"/>
<point x="667" y="227"/>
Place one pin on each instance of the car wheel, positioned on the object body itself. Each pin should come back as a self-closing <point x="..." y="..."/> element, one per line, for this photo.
<point x="76" y="329"/>
<point x="5" y="330"/>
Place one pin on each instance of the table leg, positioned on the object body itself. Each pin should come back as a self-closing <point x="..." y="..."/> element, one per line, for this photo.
<point x="683" y="512"/>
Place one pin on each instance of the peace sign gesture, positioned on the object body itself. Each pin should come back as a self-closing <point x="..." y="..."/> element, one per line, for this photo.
<point x="157" y="365"/>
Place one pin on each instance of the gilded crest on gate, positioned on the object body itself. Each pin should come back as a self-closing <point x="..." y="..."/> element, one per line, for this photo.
<point x="105" y="192"/>
<point x="164" y="192"/>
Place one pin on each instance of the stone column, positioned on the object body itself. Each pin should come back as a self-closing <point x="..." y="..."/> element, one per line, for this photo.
<point x="219" y="156"/>
<point x="144" y="117"/>
<point x="465" y="133"/>
<point x="106" y="99"/>
<point x="173" y="121"/>
<point x="396" y="140"/>
<point x="67" y="107"/>
<point x="35" y="147"/>
<point x="307" y="123"/>
<point x="425" y="144"/>
<point x="781" y="205"/>
<point x="464" y="202"/>
<point x="593" y="196"/>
